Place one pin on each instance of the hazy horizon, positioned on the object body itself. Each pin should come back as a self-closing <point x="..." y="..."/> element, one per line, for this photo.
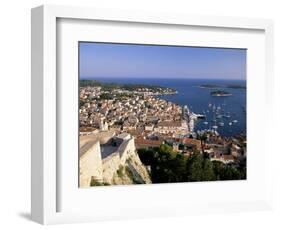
<point x="110" y="60"/>
<point x="166" y="78"/>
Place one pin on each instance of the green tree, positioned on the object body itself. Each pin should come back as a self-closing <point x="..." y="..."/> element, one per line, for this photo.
<point x="228" y="172"/>
<point x="194" y="168"/>
<point x="147" y="156"/>
<point x="178" y="168"/>
<point x="208" y="173"/>
<point x="167" y="166"/>
<point x="218" y="169"/>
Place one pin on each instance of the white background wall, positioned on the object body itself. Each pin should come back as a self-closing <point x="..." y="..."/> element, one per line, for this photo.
<point x="15" y="112"/>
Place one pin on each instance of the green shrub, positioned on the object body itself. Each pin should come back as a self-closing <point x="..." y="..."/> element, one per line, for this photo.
<point x="120" y="171"/>
<point x="95" y="182"/>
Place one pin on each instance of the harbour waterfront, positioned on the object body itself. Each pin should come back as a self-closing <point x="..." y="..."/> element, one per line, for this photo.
<point x="227" y="115"/>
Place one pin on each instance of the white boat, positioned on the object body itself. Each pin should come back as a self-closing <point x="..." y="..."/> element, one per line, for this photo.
<point x="205" y="122"/>
<point x="230" y="123"/>
<point x="215" y="126"/>
<point x="227" y="115"/>
<point x="234" y="121"/>
<point x="221" y="123"/>
<point x="197" y="116"/>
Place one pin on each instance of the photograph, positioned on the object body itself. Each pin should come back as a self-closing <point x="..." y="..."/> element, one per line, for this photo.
<point x="153" y="113"/>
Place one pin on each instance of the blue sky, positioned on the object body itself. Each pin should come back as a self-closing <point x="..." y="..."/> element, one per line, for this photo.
<point x="151" y="61"/>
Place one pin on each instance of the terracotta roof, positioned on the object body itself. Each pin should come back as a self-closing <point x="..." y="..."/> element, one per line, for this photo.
<point x="228" y="157"/>
<point x="191" y="141"/>
<point x="135" y="132"/>
<point x="141" y="141"/>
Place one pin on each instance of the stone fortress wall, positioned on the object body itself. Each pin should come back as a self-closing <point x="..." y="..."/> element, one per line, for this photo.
<point x="92" y="163"/>
<point x="112" y="163"/>
<point x="110" y="166"/>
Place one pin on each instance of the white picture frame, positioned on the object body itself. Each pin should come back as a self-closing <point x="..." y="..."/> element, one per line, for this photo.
<point x="46" y="165"/>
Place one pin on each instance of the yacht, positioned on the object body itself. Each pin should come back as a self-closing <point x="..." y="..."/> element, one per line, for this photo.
<point x="227" y="115"/>
<point x="215" y="125"/>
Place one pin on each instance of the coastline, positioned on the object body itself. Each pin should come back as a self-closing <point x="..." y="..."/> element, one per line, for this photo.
<point x="198" y="99"/>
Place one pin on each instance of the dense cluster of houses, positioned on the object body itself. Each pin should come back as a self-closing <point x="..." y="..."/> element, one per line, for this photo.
<point x="134" y="112"/>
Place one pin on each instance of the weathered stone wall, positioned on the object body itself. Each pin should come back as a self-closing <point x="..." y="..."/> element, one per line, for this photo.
<point x="110" y="166"/>
<point x="91" y="165"/>
<point x="103" y="170"/>
<point x="113" y="162"/>
<point x="126" y="149"/>
<point x="105" y="137"/>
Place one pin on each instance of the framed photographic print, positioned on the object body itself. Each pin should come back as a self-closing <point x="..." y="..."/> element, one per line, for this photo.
<point x="139" y="114"/>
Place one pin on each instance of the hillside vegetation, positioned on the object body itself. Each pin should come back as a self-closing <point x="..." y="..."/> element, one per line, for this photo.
<point x="168" y="166"/>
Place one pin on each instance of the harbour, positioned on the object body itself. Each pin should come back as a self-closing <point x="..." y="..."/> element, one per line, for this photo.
<point x="225" y="115"/>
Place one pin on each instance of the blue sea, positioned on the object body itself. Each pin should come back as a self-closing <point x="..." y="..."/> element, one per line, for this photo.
<point x="200" y="101"/>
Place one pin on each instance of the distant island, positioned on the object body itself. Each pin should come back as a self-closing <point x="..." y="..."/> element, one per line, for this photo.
<point x="220" y="93"/>
<point x="215" y="86"/>
<point x="210" y="86"/>
<point x="236" y="86"/>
